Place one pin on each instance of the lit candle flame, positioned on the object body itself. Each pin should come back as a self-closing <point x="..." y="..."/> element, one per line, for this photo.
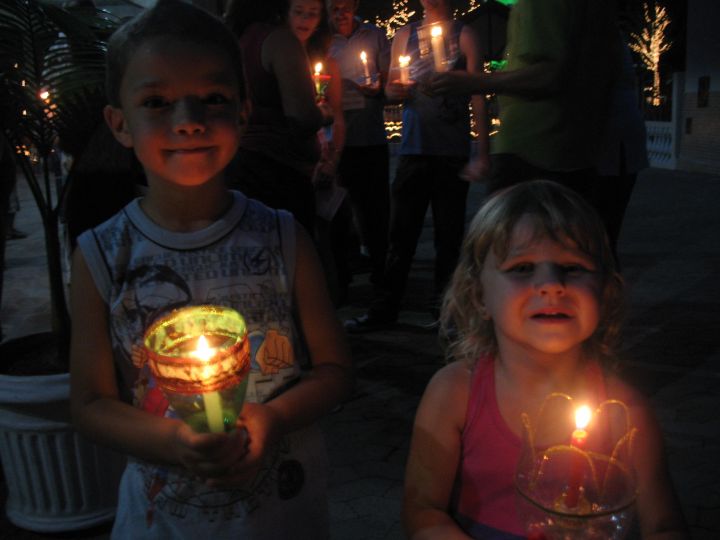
<point x="44" y="95"/>
<point x="203" y="350"/>
<point x="363" y="57"/>
<point x="318" y="68"/>
<point x="404" y="61"/>
<point x="582" y="417"/>
<point x="436" y="31"/>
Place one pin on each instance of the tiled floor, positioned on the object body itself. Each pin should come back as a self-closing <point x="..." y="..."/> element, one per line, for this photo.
<point x="670" y="254"/>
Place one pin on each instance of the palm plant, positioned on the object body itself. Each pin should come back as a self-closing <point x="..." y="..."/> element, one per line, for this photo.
<point x="51" y="93"/>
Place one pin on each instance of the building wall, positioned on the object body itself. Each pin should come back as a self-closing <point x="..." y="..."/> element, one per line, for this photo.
<point x="700" y="122"/>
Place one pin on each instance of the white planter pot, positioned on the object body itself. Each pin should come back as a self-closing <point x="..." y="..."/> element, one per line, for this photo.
<point x="56" y="479"/>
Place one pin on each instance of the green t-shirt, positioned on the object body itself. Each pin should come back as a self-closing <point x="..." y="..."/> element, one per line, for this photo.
<point x="557" y="132"/>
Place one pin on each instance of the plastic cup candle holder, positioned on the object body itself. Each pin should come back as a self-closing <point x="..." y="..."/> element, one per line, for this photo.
<point x="577" y="483"/>
<point x="200" y="358"/>
<point x="321" y="82"/>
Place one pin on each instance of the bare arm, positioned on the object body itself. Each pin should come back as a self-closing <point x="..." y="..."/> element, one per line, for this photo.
<point x="537" y="80"/>
<point x="658" y="509"/>
<point x="395" y="92"/>
<point x="335" y="99"/>
<point x="285" y="57"/>
<point x="435" y="455"/>
<point x="329" y="381"/>
<point x="479" y="166"/>
<point x="98" y="411"/>
<point x="331" y="377"/>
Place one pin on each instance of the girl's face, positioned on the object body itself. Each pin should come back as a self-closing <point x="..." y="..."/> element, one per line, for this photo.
<point x="304" y="17"/>
<point x="544" y="297"/>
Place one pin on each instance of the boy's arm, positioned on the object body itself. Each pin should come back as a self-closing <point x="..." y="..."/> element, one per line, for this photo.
<point x="394" y="91"/>
<point x="331" y="378"/>
<point x="97" y="409"/>
<point x="434" y="456"/>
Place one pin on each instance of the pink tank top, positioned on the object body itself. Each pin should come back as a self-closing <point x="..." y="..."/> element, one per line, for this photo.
<point x="484" y="502"/>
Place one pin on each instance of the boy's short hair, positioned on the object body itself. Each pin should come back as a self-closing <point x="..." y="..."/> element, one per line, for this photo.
<point x="167" y="18"/>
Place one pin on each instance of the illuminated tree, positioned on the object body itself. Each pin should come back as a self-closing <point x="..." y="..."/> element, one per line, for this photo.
<point x="652" y="42"/>
<point x="401" y="14"/>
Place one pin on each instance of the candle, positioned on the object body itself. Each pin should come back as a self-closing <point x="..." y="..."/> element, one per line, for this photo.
<point x="438" y="47"/>
<point x="316" y="76"/>
<point x="404" y="62"/>
<point x="363" y="59"/>
<point x="578" y="440"/>
<point x="211" y="400"/>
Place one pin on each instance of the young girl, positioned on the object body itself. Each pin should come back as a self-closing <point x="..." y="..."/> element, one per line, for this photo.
<point x="532" y="309"/>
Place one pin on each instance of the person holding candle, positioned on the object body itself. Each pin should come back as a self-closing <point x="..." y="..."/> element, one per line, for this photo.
<point x="308" y="20"/>
<point x="562" y="60"/>
<point x="533" y="308"/>
<point x="435" y="162"/>
<point x="175" y="87"/>
<point x="279" y="149"/>
<point x="364" y="162"/>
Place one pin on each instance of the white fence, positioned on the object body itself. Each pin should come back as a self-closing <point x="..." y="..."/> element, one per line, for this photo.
<point x="661" y="144"/>
<point x="663" y="138"/>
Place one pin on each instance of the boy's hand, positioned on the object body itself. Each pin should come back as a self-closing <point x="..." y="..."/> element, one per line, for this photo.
<point x="209" y="455"/>
<point x="263" y="428"/>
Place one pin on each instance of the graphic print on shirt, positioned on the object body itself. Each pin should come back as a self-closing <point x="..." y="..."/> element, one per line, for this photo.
<point x="153" y="290"/>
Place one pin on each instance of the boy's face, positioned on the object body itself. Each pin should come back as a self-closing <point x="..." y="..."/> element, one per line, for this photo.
<point x="180" y="111"/>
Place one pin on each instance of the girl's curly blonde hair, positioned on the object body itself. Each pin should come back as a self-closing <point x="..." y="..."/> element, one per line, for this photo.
<point x="558" y="213"/>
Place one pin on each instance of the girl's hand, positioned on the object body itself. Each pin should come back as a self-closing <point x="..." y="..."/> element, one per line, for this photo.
<point x="263" y="428"/>
<point x="209" y="455"/>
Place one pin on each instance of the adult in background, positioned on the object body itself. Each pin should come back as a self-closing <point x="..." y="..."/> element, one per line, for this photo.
<point x="553" y="93"/>
<point x="434" y="155"/>
<point x="308" y="21"/>
<point x="279" y="148"/>
<point x="364" y="162"/>
<point x="623" y="149"/>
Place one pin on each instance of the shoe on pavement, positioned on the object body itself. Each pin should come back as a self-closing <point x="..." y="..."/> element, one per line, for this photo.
<point x="367" y="323"/>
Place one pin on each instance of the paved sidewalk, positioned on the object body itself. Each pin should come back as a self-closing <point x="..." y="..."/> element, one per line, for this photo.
<point x="670" y="254"/>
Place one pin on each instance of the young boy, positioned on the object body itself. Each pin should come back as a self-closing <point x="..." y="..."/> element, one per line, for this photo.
<point x="175" y="91"/>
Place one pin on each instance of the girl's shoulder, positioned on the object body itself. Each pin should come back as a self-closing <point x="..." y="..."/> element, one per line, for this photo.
<point x="453" y="379"/>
